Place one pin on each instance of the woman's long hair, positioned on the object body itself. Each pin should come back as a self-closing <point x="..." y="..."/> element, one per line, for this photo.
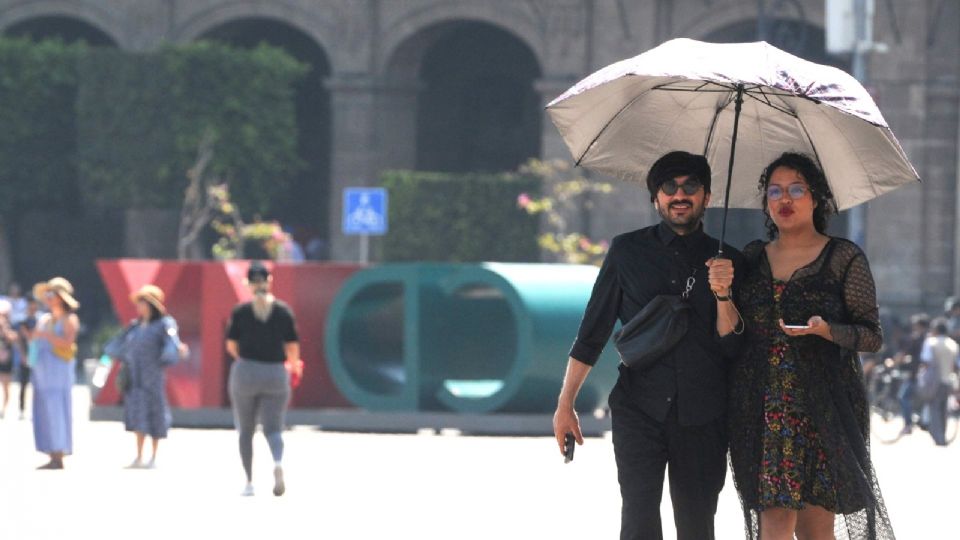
<point x="819" y="189"/>
<point x="155" y="314"/>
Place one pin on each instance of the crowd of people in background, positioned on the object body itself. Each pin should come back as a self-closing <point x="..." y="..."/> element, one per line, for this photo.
<point x="925" y="354"/>
<point x="18" y="317"/>
<point x="39" y="347"/>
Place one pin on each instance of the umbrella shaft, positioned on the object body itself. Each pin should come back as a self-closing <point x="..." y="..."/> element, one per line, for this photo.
<point x="733" y="148"/>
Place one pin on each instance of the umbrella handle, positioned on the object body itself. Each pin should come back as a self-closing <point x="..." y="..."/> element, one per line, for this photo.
<point x="738" y="102"/>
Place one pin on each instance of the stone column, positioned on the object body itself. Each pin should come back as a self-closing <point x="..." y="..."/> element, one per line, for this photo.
<point x="956" y="217"/>
<point x="355" y="151"/>
<point x="398" y="106"/>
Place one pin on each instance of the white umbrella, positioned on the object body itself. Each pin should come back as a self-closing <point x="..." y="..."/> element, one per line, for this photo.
<point x="687" y="95"/>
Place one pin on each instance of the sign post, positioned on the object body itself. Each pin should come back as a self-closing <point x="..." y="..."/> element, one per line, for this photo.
<point x="365" y="214"/>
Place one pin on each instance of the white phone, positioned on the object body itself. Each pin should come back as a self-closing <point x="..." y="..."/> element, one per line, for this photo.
<point x="796" y="326"/>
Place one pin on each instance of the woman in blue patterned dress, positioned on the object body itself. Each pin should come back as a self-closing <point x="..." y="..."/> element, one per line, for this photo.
<point x="145" y="409"/>
<point x="53" y="344"/>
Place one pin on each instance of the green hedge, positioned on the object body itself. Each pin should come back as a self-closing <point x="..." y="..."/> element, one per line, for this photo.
<point x="38" y="87"/>
<point x="459" y="217"/>
<point x="141" y="116"/>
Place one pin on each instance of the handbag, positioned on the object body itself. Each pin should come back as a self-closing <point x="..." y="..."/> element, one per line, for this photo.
<point x="171" y="343"/>
<point x="655" y="330"/>
<point x="65" y="352"/>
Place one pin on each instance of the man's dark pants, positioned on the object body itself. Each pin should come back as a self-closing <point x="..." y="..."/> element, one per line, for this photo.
<point x="697" y="458"/>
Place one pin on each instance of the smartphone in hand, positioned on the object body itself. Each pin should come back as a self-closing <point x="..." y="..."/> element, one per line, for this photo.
<point x="796" y="326"/>
<point x="569" y="444"/>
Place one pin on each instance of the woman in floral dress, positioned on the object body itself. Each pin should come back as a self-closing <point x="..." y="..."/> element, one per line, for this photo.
<point x="141" y="347"/>
<point x="799" y="419"/>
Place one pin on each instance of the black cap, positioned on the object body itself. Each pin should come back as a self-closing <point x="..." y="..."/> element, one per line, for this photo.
<point x="678" y="163"/>
<point x="257" y="271"/>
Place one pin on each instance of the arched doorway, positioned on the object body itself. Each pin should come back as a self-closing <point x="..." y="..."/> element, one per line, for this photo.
<point x="476" y="109"/>
<point x="68" y="29"/>
<point x="57" y="235"/>
<point x="305" y="208"/>
<point x="798" y="38"/>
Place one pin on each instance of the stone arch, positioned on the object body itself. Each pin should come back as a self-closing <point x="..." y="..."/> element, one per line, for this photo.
<point x="507" y="17"/>
<point x="306" y="204"/>
<point x="99" y="21"/>
<point x="472" y="87"/>
<point x="730" y="12"/>
<point x="320" y="30"/>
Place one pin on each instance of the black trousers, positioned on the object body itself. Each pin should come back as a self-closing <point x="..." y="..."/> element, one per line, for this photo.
<point x="644" y="447"/>
<point x="23" y="377"/>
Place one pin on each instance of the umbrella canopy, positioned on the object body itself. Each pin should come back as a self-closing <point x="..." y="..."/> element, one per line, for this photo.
<point x="682" y="96"/>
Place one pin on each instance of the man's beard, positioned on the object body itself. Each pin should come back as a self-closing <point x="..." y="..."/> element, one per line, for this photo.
<point x="683" y="224"/>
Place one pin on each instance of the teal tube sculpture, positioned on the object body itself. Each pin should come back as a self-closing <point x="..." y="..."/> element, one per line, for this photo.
<point x="468" y="338"/>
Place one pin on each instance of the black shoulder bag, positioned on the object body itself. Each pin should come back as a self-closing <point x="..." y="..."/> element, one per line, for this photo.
<point x="657" y="329"/>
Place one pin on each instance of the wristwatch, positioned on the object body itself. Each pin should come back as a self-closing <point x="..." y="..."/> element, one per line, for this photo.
<point x="722" y="298"/>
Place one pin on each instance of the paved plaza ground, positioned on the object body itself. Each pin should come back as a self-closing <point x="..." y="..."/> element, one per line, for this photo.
<point x="368" y="486"/>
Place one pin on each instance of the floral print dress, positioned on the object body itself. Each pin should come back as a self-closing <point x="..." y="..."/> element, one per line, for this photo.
<point x="798" y="414"/>
<point x="794" y="469"/>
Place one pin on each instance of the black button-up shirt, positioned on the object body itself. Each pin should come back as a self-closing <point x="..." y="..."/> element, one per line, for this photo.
<point x="639" y="266"/>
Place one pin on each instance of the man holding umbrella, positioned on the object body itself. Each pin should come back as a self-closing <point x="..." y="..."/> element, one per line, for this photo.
<point x="670" y="412"/>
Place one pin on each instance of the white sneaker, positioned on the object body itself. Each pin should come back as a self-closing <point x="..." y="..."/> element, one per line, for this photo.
<point x="278" y="486"/>
<point x="152" y="464"/>
<point x="136" y="464"/>
<point x="247" y="491"/>
<point x="23" y="416"/>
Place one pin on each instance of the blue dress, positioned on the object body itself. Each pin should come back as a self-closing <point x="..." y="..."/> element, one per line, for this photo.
<point x="145" y="407"/>
<point x="53" y="379"/>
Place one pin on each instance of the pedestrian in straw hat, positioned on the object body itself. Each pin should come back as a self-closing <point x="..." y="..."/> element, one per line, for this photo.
<point x="147" y="347"/>
<point x="53" y="348"/>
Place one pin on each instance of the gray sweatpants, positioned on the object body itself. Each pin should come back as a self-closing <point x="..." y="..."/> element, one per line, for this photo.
<point x="259" y="390"/>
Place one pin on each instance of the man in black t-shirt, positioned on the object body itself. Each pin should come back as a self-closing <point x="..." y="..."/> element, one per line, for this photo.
<point x="262" y="339"/>
<point x="909" y="360"/>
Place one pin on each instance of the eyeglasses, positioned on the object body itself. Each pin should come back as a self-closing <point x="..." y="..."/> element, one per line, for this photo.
<point x="691" y="186"/>
<point x="796" y="191"/>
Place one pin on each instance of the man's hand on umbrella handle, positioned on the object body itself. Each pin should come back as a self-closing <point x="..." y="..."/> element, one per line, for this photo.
<point x="720" y="275"/>
<point x="565" y="421"/>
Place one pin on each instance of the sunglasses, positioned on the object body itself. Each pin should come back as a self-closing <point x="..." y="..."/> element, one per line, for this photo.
<point x="796" y="191"/>
<point x="691" y="186"/>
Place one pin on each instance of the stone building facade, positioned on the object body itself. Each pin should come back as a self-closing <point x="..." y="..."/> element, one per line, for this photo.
<point x="460" y="84"/>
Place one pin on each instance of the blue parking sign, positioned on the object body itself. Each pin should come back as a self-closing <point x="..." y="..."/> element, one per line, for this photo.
<point x="365" y="211"/>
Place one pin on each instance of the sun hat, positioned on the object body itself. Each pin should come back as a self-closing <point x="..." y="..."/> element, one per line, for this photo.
<point x="59" y="286"/>
<point x="152" y="295"/>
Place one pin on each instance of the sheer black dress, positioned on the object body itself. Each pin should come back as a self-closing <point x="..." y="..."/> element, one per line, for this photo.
<point x="799" y="419"/>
